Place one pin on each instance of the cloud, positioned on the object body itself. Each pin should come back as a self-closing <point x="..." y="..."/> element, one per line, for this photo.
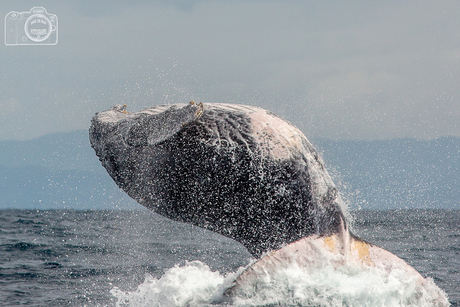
<point x="355" y="70"/>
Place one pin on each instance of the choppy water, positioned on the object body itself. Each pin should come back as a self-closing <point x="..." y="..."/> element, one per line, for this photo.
<point x="99" y="258"/>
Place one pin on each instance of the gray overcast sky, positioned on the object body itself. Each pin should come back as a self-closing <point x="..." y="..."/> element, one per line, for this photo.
<point x="336" y="69"/>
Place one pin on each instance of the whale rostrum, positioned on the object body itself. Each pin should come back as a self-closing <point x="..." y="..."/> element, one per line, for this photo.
<point x="237" y="170"/>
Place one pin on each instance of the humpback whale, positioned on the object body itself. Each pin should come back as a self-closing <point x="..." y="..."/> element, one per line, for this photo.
<point x="240" y="171"/>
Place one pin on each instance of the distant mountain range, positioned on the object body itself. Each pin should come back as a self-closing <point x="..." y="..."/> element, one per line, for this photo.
<point x="56" y="171"/>
<point x="398" y="173"/>
<point x="62" y="171"/>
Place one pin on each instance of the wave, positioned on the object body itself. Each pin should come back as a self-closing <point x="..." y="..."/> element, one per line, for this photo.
<point x="195" y="284"/>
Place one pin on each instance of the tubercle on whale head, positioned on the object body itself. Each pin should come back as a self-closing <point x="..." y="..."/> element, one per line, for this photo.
<point x="200" y="106"/>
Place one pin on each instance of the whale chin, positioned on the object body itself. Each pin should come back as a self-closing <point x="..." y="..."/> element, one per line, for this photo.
<point x="242" y="172"/>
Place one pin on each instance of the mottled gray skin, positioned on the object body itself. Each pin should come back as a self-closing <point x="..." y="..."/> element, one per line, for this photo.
<point x="213" y="166"/>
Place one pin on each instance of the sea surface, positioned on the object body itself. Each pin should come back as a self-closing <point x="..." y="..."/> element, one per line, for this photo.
<point x="137" y="258"/>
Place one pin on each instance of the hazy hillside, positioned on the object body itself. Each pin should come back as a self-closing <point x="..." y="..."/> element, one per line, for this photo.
<point x="61" y="171"/>
<point x="63" y="151"/>
<point x="56" y="171"/>
<point x="399" y="173"/>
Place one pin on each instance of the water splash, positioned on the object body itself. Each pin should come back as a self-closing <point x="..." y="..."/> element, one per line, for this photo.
<point x="191" y="284"/>
<point x="195" y="284"/>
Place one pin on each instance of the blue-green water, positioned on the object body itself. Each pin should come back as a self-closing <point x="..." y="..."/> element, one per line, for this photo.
<point x="75" y="258"/>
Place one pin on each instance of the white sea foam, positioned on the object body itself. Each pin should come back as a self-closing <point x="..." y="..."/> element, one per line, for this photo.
<point x="195" y="284"/>
<point x="191" y="284"/>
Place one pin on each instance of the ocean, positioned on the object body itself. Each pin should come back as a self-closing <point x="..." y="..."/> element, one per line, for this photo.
<point x="137" y="258"/>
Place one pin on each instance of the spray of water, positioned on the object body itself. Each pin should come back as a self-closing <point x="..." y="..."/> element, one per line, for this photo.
<point x="195" y="284"/>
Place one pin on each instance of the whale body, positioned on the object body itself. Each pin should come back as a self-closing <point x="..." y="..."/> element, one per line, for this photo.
<point x="237" y="170"/>
<point x="240" y="171"/>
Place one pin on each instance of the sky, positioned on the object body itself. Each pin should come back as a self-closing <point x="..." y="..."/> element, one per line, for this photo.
<point x="361" y="70"/>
